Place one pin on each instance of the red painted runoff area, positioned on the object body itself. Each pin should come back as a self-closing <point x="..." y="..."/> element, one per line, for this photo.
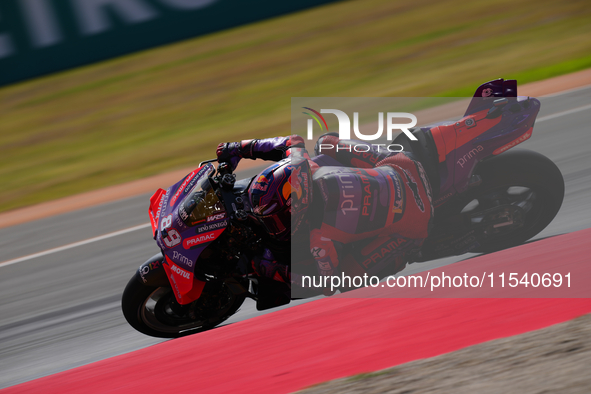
<point x="336" y="337"/>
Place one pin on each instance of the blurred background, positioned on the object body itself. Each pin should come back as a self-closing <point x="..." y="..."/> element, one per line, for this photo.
<point x="67" y="130"/>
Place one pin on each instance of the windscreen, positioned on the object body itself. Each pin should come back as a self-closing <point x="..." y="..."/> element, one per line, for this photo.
<point x="201" y="205"/>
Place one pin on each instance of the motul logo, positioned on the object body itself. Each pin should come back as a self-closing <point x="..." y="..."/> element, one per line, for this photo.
<point x="181" y="272"/>
<point x="199" y="239"/>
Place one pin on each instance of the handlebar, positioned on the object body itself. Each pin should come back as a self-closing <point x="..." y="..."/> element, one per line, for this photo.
<point x="223" y="167"/>
<point x="207" y="161"/>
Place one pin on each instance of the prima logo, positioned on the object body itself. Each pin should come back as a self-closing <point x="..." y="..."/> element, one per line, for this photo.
<point x="345" y="124"/>
<point x="182" y="259"/>
<point x="347" y="200"/>
<point x="464" y="159"/>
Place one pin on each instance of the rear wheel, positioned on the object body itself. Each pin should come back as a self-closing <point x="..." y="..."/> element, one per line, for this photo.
<point x="531" y="187"/>
<point x="154" y="311"/>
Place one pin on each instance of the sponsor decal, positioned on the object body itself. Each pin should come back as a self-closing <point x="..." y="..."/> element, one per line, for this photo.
<point x="347" y="203"/>
<point x="155" y="200"/>
<point x="147" y="268"/>
<point x="513" y="143"/>
<point x="182" y="258"/>
<point x="192" y="183"/>
<point x="182" y="213"/>
<point x="144" y="271"/>
<point x="398" y="194"/>
<point x="441" y="199"/>
<point x="216" y="217"/>
<point x="172" y="279"/>
<point x="305" y="182"/>
<point x="262" y="183"/>
<point x="296" y="184"/>
<point x="212" y="226"/>
<point x="322" y="185"/>
<point x="487" y="92"/>
<point x="464" y="159"/>
<point x="200" y="239"/>
<point x="181" y="188"/>
<point x="179" y="271"/>
<point x="179" y="222"/>
<point x="426" y="185"/>
<point x="414" y="187"/>
<point x="203" y="171"/>
<point x="157" y="215"/>
<point x="318" y="253"/>
<point x="172" y="238"/>
<point x="378" y="255"/>
<point x="260" y="186"/>
<point x="366" y="191"/>
<point x="165" y="198"/>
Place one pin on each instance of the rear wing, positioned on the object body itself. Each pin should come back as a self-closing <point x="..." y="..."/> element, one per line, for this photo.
<point x="488" y="91"/>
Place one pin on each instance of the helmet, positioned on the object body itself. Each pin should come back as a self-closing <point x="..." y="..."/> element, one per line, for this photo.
<point x="272" y="193"/>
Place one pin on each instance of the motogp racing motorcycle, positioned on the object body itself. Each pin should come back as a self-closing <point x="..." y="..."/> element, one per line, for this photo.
<point x="487" y="197"/>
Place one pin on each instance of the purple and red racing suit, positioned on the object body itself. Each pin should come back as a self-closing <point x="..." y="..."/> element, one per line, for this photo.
<point x="376" y="205"/>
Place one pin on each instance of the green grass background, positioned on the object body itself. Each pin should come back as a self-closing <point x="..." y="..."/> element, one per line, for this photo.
<point x="168" y="108"/>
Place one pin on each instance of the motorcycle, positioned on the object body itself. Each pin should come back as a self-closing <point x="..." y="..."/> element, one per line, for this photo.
<point x="486" y="197"/>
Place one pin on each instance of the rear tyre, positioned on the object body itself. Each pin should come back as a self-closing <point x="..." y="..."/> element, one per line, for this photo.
<point x="154" y="310"/>
<point x="521" y="178"/>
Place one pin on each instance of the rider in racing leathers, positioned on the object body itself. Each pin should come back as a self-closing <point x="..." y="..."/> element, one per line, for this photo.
<point x="375" y="207"/>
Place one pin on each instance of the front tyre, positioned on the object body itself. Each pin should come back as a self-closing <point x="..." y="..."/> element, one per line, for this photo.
<point x="154" y="310"/>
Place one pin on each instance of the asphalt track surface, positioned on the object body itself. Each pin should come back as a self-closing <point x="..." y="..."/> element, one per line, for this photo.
<point x="357" y="332"/>
<point x="61" y="310"/>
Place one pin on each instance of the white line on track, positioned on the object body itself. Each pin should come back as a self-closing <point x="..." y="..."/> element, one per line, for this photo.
<point x="74" y="245"/>
<point x="567" y="112"/>
<point x="573" y="90"/>
<point x="141" y="226"/>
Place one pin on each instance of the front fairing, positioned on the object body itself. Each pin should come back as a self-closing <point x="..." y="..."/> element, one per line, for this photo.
<point x="183" y="235"/>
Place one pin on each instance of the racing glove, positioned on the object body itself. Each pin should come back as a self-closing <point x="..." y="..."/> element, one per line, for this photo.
<point x="230" y="152"/>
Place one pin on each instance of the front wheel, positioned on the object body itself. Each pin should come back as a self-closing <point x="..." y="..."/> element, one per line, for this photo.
<point x="154" y="311"/>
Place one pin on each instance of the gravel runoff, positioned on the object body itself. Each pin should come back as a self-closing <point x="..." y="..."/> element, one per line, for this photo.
<point x="556" y="359"/>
